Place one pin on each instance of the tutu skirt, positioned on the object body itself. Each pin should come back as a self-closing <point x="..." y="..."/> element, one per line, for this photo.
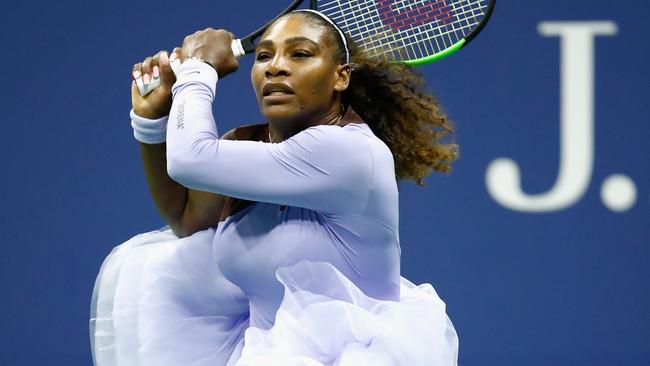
<point x="160" y="300"/>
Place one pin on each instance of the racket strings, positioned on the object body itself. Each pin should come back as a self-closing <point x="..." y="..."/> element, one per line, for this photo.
<point x="462" y="16"/>
<point x="334" y="7"/>
<point x="405" y="29"/>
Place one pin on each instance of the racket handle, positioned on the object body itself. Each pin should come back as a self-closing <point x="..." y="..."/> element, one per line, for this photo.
<point x="237" y="50"/>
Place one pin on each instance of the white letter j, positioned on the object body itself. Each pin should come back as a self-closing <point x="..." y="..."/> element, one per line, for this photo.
<point x="503" y="177"/>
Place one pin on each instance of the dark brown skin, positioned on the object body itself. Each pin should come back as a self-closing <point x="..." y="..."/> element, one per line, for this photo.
<point x="295" y="53"/>
<point x="292" y="52"/>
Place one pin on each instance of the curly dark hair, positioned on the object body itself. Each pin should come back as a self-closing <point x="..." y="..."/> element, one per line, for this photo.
<point x="393" y="100"/>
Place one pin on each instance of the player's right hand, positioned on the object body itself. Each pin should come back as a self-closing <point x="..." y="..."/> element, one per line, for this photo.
<point x="158" y="103"/>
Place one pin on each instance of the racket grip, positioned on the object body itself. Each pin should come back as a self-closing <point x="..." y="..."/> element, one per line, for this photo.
<point x="237" y="50"/>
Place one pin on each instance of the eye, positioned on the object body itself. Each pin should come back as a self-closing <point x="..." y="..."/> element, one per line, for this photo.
<point x="300" y="53"/>
<point x="262" y="56"/>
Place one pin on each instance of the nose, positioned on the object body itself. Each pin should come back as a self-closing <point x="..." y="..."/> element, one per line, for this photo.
<point x="277" y="67"/>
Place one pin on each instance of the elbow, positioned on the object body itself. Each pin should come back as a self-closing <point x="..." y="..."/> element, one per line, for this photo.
<point x="176" y="223"/>
<point x="186" y="226"/>
<point x="179" y="170"/>
<point x="184" y="165"/>
<point x="177" y="229"/>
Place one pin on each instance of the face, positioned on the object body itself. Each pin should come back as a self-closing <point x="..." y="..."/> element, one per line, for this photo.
<point x="295" y="76"/>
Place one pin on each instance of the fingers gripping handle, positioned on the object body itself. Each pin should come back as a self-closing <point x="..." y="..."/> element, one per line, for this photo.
<point x="145" y="89"/>
<point x="237" y="50"/>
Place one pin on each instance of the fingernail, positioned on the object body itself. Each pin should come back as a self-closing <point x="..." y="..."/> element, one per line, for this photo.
<point x="146" y="79"/>
<point x="136" y="74"/>
<point x="173" y="57"/>
<point x="156" y="72"/>
<point x="164" y="58"/>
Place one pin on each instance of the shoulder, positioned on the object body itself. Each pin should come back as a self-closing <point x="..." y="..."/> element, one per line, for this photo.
<point x="333" y="151"/>
<point x="335" y="141"/>
<point x="382" y="158"/>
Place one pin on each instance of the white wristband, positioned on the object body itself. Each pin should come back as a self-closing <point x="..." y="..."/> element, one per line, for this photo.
<point x="149" y="131"/>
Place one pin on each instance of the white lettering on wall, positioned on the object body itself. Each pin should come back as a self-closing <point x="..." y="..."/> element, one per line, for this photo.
<point x="503" y="177"/>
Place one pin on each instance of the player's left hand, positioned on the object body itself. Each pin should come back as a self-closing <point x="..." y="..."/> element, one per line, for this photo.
<point x="213" y="46"/>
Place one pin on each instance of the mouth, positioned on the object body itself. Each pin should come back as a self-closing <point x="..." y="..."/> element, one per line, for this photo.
<point x="276" y="90"/>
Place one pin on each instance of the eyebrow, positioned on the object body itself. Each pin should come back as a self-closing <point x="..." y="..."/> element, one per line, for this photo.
<point x="289" y="41"/>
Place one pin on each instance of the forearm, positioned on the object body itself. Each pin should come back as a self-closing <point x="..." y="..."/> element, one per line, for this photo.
<point x="192" y="136"/>
<point x="169" y="197"/>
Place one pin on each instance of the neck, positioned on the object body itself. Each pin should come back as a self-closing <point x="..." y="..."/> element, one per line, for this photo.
<point x="282" y="130"/>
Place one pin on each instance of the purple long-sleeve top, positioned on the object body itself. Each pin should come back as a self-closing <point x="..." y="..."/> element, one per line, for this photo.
<point x="337" y="183"/>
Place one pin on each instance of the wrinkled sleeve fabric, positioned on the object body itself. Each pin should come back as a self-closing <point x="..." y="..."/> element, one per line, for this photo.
<point x="324" y="168"/>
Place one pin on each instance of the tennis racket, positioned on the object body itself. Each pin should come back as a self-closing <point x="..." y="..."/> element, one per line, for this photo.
<point x="414" y="32"/>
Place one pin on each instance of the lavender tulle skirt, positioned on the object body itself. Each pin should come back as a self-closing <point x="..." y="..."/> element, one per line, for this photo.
<point x="160" y="300"/>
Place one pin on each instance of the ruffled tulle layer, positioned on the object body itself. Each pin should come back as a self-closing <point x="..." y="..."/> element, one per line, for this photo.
<point x="159" y="300"/>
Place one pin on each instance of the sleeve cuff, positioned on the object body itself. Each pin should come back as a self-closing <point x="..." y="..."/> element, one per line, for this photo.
<point x="196" y="71"/>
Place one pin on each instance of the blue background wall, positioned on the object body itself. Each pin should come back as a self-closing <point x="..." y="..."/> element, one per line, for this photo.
<point x="568" y="286"/>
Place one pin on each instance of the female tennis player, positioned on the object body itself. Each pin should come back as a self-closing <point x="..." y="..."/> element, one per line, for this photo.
<point x="282" y="246"/>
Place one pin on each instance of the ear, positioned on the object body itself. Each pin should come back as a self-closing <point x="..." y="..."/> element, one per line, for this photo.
<point x="342" y="78"/>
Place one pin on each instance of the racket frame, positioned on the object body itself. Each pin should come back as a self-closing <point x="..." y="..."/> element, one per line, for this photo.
<point x="456" y="46"/>
<point x="247" y="42"/>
